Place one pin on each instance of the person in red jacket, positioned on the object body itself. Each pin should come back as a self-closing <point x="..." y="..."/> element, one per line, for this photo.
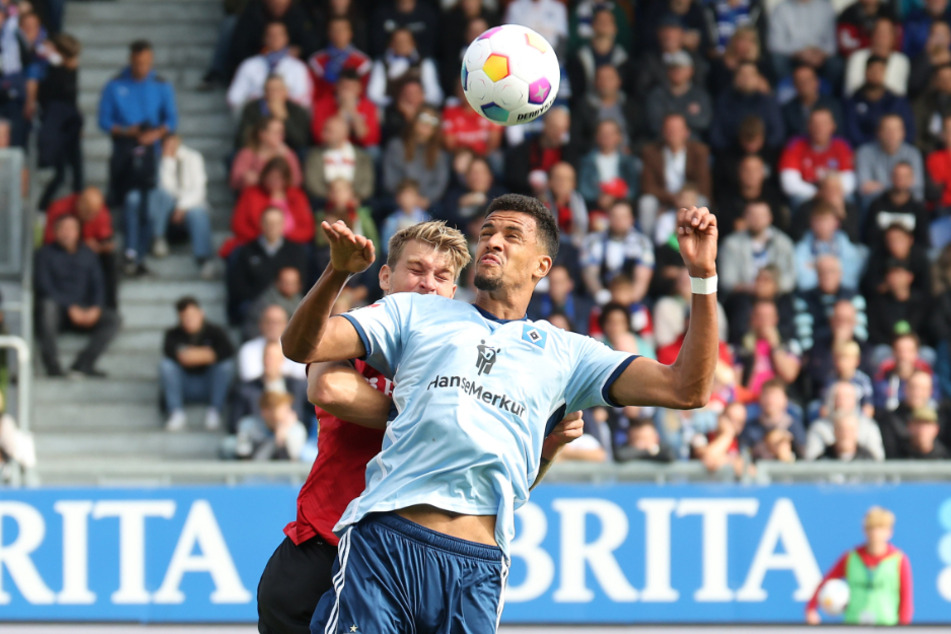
<point x="274" y="190"/>
<point x="326" y="64"/>
<point x="878" y="574"/>
<point x="349" y="102"/>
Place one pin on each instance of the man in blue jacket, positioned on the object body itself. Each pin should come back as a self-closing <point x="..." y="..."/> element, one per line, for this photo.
<point x="137" y="109"/>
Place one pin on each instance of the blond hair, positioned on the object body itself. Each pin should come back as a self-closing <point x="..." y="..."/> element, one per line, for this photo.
<point x="878" y="516"/>
<point x="436" y="234"/>
<point x="849" y="348"/>
<point x="272" y="400"/>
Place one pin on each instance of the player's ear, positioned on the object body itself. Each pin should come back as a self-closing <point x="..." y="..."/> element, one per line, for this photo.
<point x="452" y="295"/>
<point x="543" y="266"/>
<point x="385" y="278"/>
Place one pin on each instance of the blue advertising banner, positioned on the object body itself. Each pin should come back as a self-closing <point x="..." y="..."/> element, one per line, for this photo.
<point x="582" y="554"/>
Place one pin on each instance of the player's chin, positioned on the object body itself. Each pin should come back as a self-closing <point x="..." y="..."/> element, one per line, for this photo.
<point x="486" y="281"/>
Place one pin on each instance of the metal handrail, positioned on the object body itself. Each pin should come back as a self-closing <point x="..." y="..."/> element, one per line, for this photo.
<point x="24" y="377"/>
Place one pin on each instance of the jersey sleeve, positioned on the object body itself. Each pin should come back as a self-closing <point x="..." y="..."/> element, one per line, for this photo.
<point x="381" y="327"/>
<point x="595" y="368"/>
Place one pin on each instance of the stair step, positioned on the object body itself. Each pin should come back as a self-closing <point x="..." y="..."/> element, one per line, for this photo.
<point x="129" y="339"/>
<point x="166" y="34"/>
<point x="97" y="172"/>
<point x="89" y="395"/>
<point x="123" y="14"/>
<point x="175" y="267"/>
<point x="98" y="147"/>
<point x="157" y="443"/>
<point x="167" y="292"/>
<point x="188" y="102"/>
<point x="146" y="316"/>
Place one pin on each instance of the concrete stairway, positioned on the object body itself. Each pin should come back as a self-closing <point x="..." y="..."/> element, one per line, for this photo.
<point x="118" y="417"/>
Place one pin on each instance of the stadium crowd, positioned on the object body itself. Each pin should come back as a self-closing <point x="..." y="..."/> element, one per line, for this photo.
<point x="822" y="141"/>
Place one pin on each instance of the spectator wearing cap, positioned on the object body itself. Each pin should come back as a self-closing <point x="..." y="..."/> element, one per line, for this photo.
<point x="561" y="298"/>
<point x="340" y="54"/>
<point x="602" y="49"/>
<point x="923" y="442"/>
<point x="400" y="61"/>
<point x="418" y="155"/>
<point x="247" y="394"/>
<point x="747" y="96"/>
<point x="95" y="221"/>
<point x="349" y="102"/>
<point x="745" y="252"/>
<point x="882" y="45"/>
<point x="806" y="160"/>
<point x="651" y="70"/>
<point x="932" y="107"/>
<point x="680" y="94"/>
<point x="608" y="162"/>
<point x="898" y="205"/>
<point x="825" y="238"/>
<point x="808" y="97"/>
<point x="274" y="59"/>
<point x="891" y="378"/>
<point x="854" y="26"/>
<point x="70" y="293"/>
<point x="417" y="18"/>
<point x="897" y="306"/>
<point x="533" y="157"/>
<point x="875" y="161"/>
<point x="918" y="23"/>
<point x="607" y="100"/>
<point x="275" y="104"/>
<point x="870" y="102"/>
<point x="803" y="31"/>
<point x="249" y="38"/>
<point x="668" y="165"/>
<point x="197" y="366"/>
<point x="337" y="158"/>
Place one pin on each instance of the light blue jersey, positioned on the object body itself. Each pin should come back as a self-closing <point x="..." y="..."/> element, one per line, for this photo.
<point x="475" y="397"/>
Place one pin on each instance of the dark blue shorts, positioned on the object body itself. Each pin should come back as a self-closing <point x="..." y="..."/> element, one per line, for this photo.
<point x="393" y="576"/>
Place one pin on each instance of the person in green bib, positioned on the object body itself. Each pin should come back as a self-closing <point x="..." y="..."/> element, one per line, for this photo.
<point x="878" y="575"/>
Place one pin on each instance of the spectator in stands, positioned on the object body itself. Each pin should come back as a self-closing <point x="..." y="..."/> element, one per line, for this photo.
<point x="898" y="243"/>
<point x="847" y="356"/>
<point x="59" y="142"/>
<point x="689" y="14"/>
<point x="548" y="17"/>
<point x="339" y="158"/>
<point x="533" y="157"/>
<point x="607" y="100"/>
<point x="923" y="443"/>
<point x="602" y="49"/>
<point x="256" y="263"/>
<point x="765" y="354"/>
<point x="898" y="205"/>
<point x="183" y="182"/>
<point x="671" y="312"/>
<point x="137" y="109"/>
<point x="418" y="155"/>
<point x="806" y="160"/>
<point x="855" y="24"/>
<point x="286" y="292"/>
<point x="814" y="306"/>
<point x="249" y="36"/>
<point x="13" y="68"/>
<point x="731" y="17"/>
<point x="327" y="64"/>
<point x="464" y="128"/>
<point x="561" y="298"/>
<point x="251" y="353"/>
<point x="197" y="366"/>
<point x="565" y="202"/>
<point x="619" y="248"/>
<point x="408" y="212"/>
<point x="720" y="448"/>
<point x="897" y="308"/>
<point x="939" y="170"/>
<point x="221" y="68"/>
<point x="824" y="435"/>
<point x="247" y="394"/>
<point x="747" y="96"/>
<point x="468" y="201"/>
<point x="803" y="32"/>
<point x="680" y="94"/>
<point x="458" y="27"/>
<point x="874" y="162"/>
<point x="275" y="434"/>
<point x="918" y="23"/>
<point x="897" y="66"/>
<point x="918" y="394"/>
<point x="830" y="191"/>
<point x="274" y="190"/>
<point x="825" y="238"/>
<point x="668" y="165"/>
<point x="839" y="321"/>
<point x="744" y="46"/>
<point x="403" y="110"/>
<point x="274" y="59"/>
<point x="740" y="305"/>
<point x="275" y="104"/>
<point x="97" y="234"/>
<point x="359" y="112"/>
<point x="70" y="293"/>
<point x="745" y="252"/>
<point x="608" y="162"/>
<point x="343" y="205"/>
<point x="775" y="415"/>
<point x="932" y="107"/>
<point x="418" y="18"/>
<point x="808" y="97"/>
<point x="845" y="446"/>
<point x="893" y="374"/>
<point x="266" y="143"/>
<point x="870" y="102"/>
<point x="751" y="185"/>
<point x="937" y="53"/>
<point x="750" y="141"/>
<point x="644" y="443"/>
<point x="401" y="61"/>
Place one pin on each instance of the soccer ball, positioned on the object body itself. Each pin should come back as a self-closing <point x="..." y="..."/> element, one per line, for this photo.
<point x="510" y="75"/>
<point x="834" y="596"/>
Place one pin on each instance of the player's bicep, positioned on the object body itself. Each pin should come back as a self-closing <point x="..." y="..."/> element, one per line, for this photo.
<point x="646" y="382"/>
<point x="339" y="389"/>
<point x="341" y="340"/>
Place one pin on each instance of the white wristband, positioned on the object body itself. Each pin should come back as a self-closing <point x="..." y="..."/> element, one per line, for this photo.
<point x="703" y="285"/>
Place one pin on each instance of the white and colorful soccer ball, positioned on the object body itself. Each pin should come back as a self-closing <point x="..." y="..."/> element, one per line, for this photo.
<point x="510" y="74"/>
<point x="834" y="596"/>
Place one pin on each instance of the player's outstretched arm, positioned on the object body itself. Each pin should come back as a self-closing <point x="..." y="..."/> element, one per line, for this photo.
<point x="311" y="335"/>
<point x="570" y="428"/>
<point x="341" y="391"/>
<point x="688" y="382"/>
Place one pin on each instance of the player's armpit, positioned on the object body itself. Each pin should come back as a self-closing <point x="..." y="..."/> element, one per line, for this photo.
<point x="647" y="383"/>
<point x="343" y="392"/>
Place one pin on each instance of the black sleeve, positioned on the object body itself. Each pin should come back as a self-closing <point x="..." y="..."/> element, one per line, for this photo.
<point x="240" y="288"/>
<point x="96" y="293"/>
<point x="171" y="343"/>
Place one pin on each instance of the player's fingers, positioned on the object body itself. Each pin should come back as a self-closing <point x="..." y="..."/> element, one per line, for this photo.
<point x="329" y="231"/>
<point x="570" y="416"/>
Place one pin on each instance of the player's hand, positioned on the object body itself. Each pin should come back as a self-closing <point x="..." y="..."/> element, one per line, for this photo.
<point x="697" y="235"/>
<point x="349" y="253"/>
<point x="570" y="428"/>
<point x="813" y="618"/>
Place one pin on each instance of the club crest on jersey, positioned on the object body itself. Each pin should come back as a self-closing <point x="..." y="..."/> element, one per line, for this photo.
<point x="487" y="357"/>
<point x="534" y="336"/>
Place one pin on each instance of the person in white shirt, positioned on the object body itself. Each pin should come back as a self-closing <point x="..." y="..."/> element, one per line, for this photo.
<point x="401" y="61"/>
<point x="183" y="189"/>
<point x="882" y="44"/>
<point x="251" y="354"/>
<point x="548" y="17"/>
<point x="276" y="59"/>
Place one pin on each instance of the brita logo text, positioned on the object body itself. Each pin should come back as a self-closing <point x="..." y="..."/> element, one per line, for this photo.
<point x="477" y="391"/>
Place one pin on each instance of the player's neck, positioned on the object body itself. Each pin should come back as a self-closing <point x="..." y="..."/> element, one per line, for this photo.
<point x="503" y="303"/>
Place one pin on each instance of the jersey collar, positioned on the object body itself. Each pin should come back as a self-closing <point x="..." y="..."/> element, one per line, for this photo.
<point x="492" y="317"/>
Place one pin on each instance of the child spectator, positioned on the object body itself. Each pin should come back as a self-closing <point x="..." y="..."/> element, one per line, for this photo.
<point x="644" y="443"/>
<point x="408" y="212"/>
<point x="265" y="144"/>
